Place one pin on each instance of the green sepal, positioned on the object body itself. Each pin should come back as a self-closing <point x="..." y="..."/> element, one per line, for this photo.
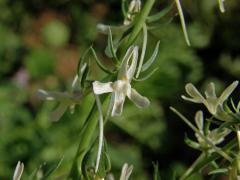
<point x="161" y="23"/>
<point x="219" y="171"/>
<point x="151" y="60"/>
<point x="53" y="168"/>
<point x="147" y="76"/>
<point x="124" y="8"/>
<point x="191" y="143"/>
<point x="110" y="50"/>
<point x="99" y="63"/>
<point x="160" y="14"/>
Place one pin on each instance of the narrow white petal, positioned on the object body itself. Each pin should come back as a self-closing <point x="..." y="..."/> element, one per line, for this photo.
<point x="100" y="141"/>
<point x="210" y="91"/>
<point x="193" y="92"/>
<point x="221" y="5"/>
<point x="199" y="120"/>
<point x="75" y="82"/>
<point x="18" y="171"/>
<point x="46" y="95"/>
<point x="119" y="99"/>
<point x="227" y="92"/>
<point x="139" y="100"/>
<point x="132" y="68"/>
<point x="190" y="99"/>
<point x="42" y="94"/>
<point x="100" y="88"/>
<point x="126" y="172"/>
<point x="127" y="71"/>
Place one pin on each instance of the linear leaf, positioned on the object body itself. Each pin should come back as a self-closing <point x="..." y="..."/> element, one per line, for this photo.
<point x="160" y="14"/>
<point x="150" y="61"/>
<point x="99" y="62"/>
<point x="111" y="47"/>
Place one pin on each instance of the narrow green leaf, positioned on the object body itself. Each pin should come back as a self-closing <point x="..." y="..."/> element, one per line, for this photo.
<point x="160" y="14"/>
<point x="218" y="150"/>
<point x="161" y="24"/>
<point x="84" y="77"/>
<point x="203" y="160"/>
<point x="53" y="169"/>
<point x="191" y="143"/>
<point x="218" y="171"/>
<point x="151" y="60"/>
<point x="144" y="46"/>
<point x="111" y="47"/>
<point x="123" y="7"/>
<point x="99" y="62"/>
<point x="233" y="105"/>
<point x="147" y="76"/>
<point x="82" y="61"/>
<point x="116" y="30"/>
<point x="179" y="7"/>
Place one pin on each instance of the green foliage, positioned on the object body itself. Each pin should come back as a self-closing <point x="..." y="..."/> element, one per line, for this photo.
<point x="39" y="63"/>
<point x="34" y="40"/>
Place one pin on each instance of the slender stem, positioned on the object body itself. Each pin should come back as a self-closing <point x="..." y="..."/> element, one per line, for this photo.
<point x="192" y="167"/>
<point x="85" y="141"/>
<point x="140" y="21"/>
<point x="86" y="136"/>
<point x="218" y="150"/>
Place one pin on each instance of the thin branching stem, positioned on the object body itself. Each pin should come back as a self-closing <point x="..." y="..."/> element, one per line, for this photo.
<point x="218" y="150"/>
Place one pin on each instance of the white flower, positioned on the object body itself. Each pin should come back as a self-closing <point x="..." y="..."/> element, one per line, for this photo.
<point x="216" y="136"/>
<point x="125" y="173"/>
<point x="65" y="99"/>
<point x="122" y="86"/>
<point x="133" y="9"/>
<point x="221" y="5"/>
<point x="18" y="171"/>
<point x="213" y="103"/>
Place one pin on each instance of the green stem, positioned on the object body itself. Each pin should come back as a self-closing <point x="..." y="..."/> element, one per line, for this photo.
<point x="192" y="167"/>
<point x="140" y="21"/>
<point x="85" y="141"/>
<point x="218" y="150"/>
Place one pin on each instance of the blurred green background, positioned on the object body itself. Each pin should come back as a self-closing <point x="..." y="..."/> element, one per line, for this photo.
<point x="40" y="45"/>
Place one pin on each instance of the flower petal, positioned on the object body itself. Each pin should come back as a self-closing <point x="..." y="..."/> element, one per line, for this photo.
<point x="126" y="172"/>
<point x="18" y="171"/>
<point x="210" y="91"/>
<point x="131" y="70"/>
<point x="46" y="95"/>
<point x="100" y="88"/>
<point x="119" y="99"/>
<point x="190" y="99"/>
<point x="194" y="93"/>
<point x="227" y="92"/>
<point x="199" y="120"/>
<point x="139" y="100"/>
<point x="125" y="71"/>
